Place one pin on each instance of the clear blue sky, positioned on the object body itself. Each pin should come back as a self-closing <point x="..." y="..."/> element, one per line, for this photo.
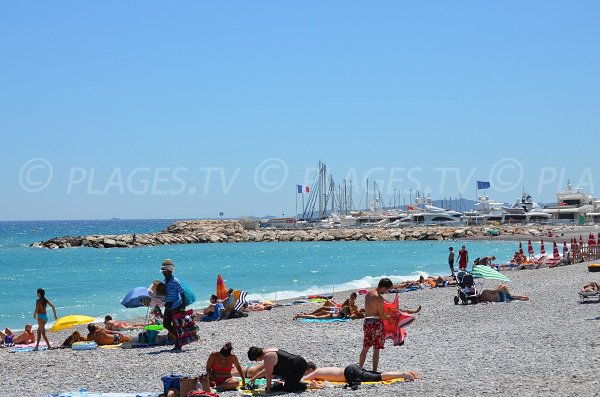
<point x="114" y="95"/>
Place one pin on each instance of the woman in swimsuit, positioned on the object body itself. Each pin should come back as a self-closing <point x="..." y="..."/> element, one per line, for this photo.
<point x="42" y="318"/>
<point x="219" y="367"/>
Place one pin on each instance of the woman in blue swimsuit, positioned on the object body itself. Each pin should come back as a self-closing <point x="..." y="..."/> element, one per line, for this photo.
<point x="42" y="317"/>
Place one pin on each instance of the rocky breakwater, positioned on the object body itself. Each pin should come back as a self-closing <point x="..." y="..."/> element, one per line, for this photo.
<point x="205" y="231"/>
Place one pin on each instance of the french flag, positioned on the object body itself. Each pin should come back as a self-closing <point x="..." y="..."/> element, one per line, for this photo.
<point x="303" y="189"/>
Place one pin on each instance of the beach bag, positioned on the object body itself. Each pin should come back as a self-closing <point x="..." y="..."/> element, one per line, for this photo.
<point x="171" y="381"/>
<point x="187" y="385"/>
<point x="185" y="327"/>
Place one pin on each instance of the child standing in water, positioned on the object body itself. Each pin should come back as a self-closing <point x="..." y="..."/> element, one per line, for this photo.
<point x="42" y="318"/>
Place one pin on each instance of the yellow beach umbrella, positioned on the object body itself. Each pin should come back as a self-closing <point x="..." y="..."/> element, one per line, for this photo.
<point x="71" y="321"/>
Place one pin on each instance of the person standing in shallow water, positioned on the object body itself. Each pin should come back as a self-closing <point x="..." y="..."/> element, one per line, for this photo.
<point x="463" y="258"/>
<point x="42" y="317"/>
<point x="451" y="260"/>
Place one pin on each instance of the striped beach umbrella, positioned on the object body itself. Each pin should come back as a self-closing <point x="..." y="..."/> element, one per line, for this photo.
<point x="555" y="252"/>
<point x="565" y="249"/>
<point x="580" y="241"/>
<point x="542" y="248"/>
<point x="530" y="248"/>
<point x="521" y="248"/>
<point x="591" y="240"/>
<point x="488" y="273"/>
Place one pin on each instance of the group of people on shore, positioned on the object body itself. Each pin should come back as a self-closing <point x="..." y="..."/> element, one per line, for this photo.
<point x="283" y="372"/>
<point x="294" y="373"/>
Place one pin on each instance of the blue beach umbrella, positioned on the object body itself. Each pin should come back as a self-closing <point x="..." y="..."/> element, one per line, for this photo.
<point x="135" y="297"/>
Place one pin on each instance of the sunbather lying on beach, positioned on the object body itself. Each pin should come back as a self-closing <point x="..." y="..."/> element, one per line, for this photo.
<point x="255" y="307"/>
<point x="500" y="294"/>
<point x="8" y="338"/>
<point x="113" y="325"/>
<point x="354" y="373"/>
<point x="104" y="337"/>
<point x="591" y="287"/>
<point x="331" y="309"/>
<point x="75" y="337"/>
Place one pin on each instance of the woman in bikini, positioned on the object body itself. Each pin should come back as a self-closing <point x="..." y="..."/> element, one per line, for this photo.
<point x="113" y="325"/>
<point x="219" y="367"/>
<point x="42" y="317"/>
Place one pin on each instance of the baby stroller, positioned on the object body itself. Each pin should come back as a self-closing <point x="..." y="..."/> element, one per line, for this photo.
<point x="466" y="289"/>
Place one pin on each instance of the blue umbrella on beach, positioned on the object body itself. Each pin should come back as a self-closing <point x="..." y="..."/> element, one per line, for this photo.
<point x="135" y="297"/>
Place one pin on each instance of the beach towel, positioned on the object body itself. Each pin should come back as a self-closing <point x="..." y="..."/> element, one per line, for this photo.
<point x="27" y="349"/>
<point x="324" y="320"/>
<point x="77" y="394"/>
<point x="394" y="328"/>
<point x="261" y="392"/>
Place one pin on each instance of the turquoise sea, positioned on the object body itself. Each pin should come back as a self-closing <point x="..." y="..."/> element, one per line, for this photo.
<point x="93" y="282"/>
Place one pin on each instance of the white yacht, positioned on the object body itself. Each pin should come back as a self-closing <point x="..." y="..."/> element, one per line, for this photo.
<point x="525" y="210"/>
<point x="422" y="212"/>
<point x="573" y="205"/>
<point x="485" y="210"/>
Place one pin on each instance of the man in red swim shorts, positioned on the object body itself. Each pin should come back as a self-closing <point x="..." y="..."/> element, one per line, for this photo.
<point x="373" y="326"/>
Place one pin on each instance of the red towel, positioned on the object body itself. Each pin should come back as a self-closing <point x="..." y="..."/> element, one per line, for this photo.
<point x="394" y="328"/>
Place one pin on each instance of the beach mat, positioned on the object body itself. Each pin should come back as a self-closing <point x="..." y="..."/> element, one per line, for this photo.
<point x="325" y="384"/>
<point x="27" y="349"/>
<point x="324" y="320"/>
<point x="77" y="394"/>
<point x="109" y="347"/>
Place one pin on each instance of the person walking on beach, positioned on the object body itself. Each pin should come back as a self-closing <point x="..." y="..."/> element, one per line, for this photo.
<point x="451" y="260"/>
<point x="175" y="300"/>
<point x="463" y="258"/>
<point x="373" y="325"/>
<point x="42" y="317"/>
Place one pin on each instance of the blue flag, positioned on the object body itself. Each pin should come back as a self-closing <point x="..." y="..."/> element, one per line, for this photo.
<point x="300" y="188"/>
<point x="483" y="185"/>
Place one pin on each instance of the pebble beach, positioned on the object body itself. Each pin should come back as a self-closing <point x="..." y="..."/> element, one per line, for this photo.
<point x="549" y="345"/>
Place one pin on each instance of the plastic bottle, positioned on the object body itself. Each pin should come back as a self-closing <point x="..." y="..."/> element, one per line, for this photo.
<point x="83" y="392"/>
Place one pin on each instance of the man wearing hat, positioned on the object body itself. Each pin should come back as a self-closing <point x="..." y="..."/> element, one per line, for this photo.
<point x="175" y="300"/>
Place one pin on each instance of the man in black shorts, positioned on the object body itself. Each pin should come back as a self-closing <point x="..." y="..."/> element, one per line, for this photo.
<point x="354" y="374"/>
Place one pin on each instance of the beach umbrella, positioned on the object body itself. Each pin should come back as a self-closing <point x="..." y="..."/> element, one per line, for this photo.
<point x="488" y="273"/>
<point x="580" y="241"/>
<point x="135" y="298"/>
<point x="598" y="236"/>
<point x="565" y="249"/>
<point x="520" y="248"/>
<point x="71" y="321"/>
<point x="555" y="252"/>
<point x="221" y="288"/>
<point x="592" y="240"/>
<point x="542" y="248"/>
<point x="530" y="248"/>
